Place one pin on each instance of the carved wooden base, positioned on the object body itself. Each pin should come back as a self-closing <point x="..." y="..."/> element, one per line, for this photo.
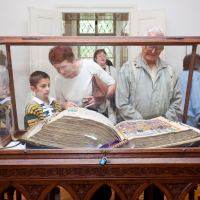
<point x="129" y="172"/>
<point x="84" y="190"/>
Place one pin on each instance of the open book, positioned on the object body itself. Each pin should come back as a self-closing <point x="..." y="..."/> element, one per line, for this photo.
<point x="83" y="128"/>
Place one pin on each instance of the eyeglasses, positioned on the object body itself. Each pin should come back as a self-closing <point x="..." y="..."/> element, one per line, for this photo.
<point x="157" y="48"/>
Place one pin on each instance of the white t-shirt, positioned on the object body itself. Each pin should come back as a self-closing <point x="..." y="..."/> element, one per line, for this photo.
<point x="80" y="87"/>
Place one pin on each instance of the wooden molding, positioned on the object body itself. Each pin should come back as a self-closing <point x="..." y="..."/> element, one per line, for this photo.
<point x="97" y="172"/>
<point x="100" y="40"/>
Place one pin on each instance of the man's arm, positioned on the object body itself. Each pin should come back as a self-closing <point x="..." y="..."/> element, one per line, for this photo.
<point x="175" y="108"/>
<point x="125" y="92"/>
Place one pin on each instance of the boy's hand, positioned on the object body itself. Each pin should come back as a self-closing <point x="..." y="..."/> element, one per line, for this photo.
<point x="68" y="105"/>
<point x="55" y="114"/>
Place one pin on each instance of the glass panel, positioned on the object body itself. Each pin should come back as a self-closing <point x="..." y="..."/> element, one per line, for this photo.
<point x="110" y="54"/>
<point x="63" y="24"/>
<point x="5" y="97"/>
<point x="105" y="26"/>
<point x="87" y="26"/>
<point x="87" y="51"/>
<point x="96" y="24"/>
<point x="125" y="28"/>
<point x="86" y="16"/>
<point x="124" y="54"/>
<point x="135" y="95"/>
<point x="108" y="49"/>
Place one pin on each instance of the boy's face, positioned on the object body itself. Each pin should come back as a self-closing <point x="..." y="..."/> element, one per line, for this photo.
<point x="42" y="89"/>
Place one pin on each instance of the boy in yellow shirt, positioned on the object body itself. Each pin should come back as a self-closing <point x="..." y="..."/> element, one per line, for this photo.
<point x="41" y="105"/>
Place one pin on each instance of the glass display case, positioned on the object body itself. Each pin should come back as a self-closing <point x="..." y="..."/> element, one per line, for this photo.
<point x="56" y="172"/>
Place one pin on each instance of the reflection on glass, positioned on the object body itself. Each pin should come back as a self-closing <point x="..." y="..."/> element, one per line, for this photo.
<point x="5" y="99"/>
<point x="152" y="84"/>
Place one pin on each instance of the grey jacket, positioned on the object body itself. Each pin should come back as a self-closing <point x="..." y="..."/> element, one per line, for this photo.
<point x="137" y="97"/>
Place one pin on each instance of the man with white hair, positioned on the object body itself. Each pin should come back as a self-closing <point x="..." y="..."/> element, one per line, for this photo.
<point x="147" y="86"/>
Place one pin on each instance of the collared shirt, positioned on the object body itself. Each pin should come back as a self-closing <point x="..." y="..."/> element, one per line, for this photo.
<point x="152" y="70"/>
<point x="48" y="110"/>
<point x="141" y="100"/>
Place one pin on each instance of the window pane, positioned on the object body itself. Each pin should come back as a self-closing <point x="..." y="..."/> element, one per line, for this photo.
<point x="105" y="26"/>
<point x="87" y="51"/>
<point x="87" y="26"/>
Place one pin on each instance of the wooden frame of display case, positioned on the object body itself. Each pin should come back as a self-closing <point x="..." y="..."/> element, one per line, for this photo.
<point x="35" y="173"/>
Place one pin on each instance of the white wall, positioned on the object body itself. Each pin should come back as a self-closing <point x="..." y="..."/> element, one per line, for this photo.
<point x="182" y="19"/>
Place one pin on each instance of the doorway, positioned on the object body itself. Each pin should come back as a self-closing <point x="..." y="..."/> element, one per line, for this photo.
<point x="98" y="24"/>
